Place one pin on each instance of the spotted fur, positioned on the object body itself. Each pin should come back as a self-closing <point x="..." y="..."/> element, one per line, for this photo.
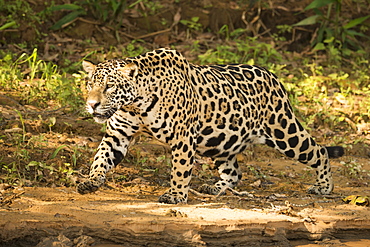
<point x="215" y="111"/>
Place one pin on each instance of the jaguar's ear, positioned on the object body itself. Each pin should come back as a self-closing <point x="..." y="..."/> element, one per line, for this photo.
<point x="130" y="70"/>
<point x="89" y="67"/>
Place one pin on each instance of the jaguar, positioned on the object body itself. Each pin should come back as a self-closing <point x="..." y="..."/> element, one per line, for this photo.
<point x="213" y="111"/>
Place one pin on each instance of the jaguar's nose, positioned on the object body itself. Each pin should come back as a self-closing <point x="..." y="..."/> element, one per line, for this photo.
<point x="93" y="104"/>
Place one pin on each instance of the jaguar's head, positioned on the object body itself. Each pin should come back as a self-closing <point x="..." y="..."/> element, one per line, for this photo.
<point x="111" y="86"/>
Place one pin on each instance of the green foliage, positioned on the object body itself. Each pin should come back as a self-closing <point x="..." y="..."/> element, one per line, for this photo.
<point x="110" y="12"/>
<point x="53" y="174"/>
<point x="76" y="11"/>
<point x="26" y="170"/>
<point x="103" y="11"/>
<point x="57" y="150"/>
<point x="106" y="10"/>
<point x="133" y="49"/>
<point x="11" y="174"/>
<point x="322" y="98"/>
<point x="23" y="126"/>
<point x="16" y="13"/>
<point x="335" y="34"/>
<point x="192" y="24"/>
<point x="8" y="25"/>
<point x="248" y="51"/>
<point x="42" y="83"/>
<point x="354" y="170"/>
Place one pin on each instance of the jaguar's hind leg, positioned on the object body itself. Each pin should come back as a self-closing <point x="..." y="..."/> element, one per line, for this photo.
<point x="230" y="175"/>
<point x="290" y="138"/>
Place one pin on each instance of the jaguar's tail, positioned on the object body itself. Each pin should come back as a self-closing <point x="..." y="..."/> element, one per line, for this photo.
<point x="335" y="151"/>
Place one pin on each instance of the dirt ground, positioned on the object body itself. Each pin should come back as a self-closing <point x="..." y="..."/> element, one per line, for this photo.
<point x="125" y="212"/>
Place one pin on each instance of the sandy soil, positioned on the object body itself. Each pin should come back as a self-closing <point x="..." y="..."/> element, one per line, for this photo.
<point x="136" y="219"/>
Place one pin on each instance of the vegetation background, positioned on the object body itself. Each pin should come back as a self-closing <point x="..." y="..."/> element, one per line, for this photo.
<point x="319" y="49"/>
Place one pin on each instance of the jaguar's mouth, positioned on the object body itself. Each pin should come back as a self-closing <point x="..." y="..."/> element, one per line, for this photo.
<point x="97" y="115"/>
<point x="101" y="118"/>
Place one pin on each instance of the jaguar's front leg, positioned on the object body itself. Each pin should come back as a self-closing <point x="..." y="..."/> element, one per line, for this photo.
<point x="182" y="165"/>
<point x="110" y="152"/>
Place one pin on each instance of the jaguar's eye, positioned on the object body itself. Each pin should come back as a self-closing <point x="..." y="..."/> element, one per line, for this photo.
<point x="109" y="85"/>
<point x="88" y="86"/>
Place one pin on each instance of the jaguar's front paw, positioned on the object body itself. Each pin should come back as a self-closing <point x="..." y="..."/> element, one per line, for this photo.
<point x="320" y="190"/>
<point x="88" y="186"/>
<point x="171" y="199"/>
